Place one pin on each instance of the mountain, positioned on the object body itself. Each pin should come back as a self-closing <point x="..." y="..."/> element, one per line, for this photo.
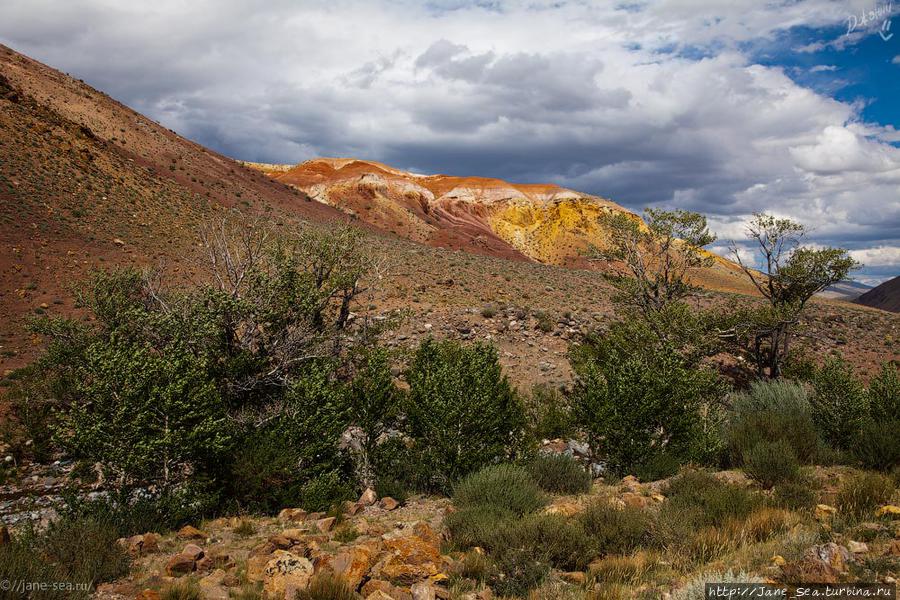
<point x="885" y="296"/>
<point x="845" y="290"/>
<point x="541" y="222"/>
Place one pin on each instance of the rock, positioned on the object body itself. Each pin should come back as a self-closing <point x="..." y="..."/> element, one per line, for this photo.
<point x="354" y="562"/>
<point x="280" y="542"/>
<point x="422" y="590"/>
<point x="325" y="525"/>
<point x="205" y="565"/>
<point x="388" y="503"/>
<point x="179" y="565"/>
<point x="412" y="556"/>
<point x="286" y="574"/>
<point x="566" y="509"/>
<point x="256" y="567"/>
<point x="857" y="547"/>
<point x="294" y="534"/>
<point x="189" y="532"/>
<point x="379" y="595"/>
<point x="351" y="508"/>
<point x="213" y="586"/>
<point x="296" y="515"/>
<point x="193" y="551"/>
<point x="368" y="497"/>
<point x="888" y="510"/>
<point x="820" y="564"/>
<point x="139" y="545"/>
<point x="373" y="586"/>
<point x="893" y="549"/>
<point x="824" y="512"/>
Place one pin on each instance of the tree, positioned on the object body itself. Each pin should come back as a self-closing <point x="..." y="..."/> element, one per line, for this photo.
<point x="461" y="410"/>
<point x="791" y="274"/>
<point x="658" y="255"/>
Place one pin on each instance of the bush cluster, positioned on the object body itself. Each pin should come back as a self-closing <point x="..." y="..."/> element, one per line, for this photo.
<point x="559" y="474"/>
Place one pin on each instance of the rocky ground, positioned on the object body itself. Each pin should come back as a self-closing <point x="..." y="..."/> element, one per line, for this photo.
<point x="400" y="552"/>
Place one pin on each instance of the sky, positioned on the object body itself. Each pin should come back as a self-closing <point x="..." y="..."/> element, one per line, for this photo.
<point x="791" y="107"/>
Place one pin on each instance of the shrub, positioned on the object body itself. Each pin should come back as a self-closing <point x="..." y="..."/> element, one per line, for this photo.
<point x="695" y="589"/>
<point x="640" y="403"/>
<point x="559" y="474"/>
<point x="476" y="525"/>
<point x="507" y="487"/>
<point x="461" y="410"/>
<point x="21" y="561"/>
<point x="878" y="444"/>
<point x="884" y="393"/>
<point x="659" y="466"/>
<point x="550" y="413"/>
<point x="516" y="571"/>
<point x="616" y="531"/>
<point x="182" y="589"/>
<point x="553" y="539"/>
<point x="768" y="412"/>
<point x="863" y="493"/>
<point x="630" y="570"/>
<point x="489" y="311"/>
<point x="475" y="565"/>
<point x="794" y="495"/>
<point x="839" y="404"/>
<point x="86" y="550"/>
<point x="770" y="463"/>
<point x="327" y="586"/>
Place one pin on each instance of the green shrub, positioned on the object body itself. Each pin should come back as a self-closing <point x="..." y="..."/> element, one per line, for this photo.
<point x="554" y="539"/>
<point x="550" y="413"/>
<point x="559" y="474"/>
<point x="877" y="444"/>
<point x="839" y="403"/>
<point x="516" y="571"/>
<point x="182" y="589"/>
<point x="657" y="467"/>
<point x="768" y="412"/>
<point x="461" y="410"/>
<point x="616" y="531"/>
<point x="327" y="586"/>
<point x="392" y="488"/>
<point x="884" y="394"/>
<point x="21" y="561"/>
<point x="770" y="463"/>
<point x="476" y="525"/>
<point x="86" y="550"/>
<point x="861" y="494"/>
<point x="640" y="402"/>
<point x="712" y="501"/>
<point x="507" y="487"/>
<point x="325" y="491"/>
<point x="794" y="495"/>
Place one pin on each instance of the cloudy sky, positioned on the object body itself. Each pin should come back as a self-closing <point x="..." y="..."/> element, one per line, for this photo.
<point x="788" y="106"/>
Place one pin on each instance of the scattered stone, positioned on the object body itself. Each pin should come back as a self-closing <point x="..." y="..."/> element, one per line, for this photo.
<point x="857" y="547"/>
<point x="325" y="525"/>
<point x="354" y="563"/>
<point x="368" y="497"/>
<point x="575" y="577"/>
<point x="286" y="574"/>
<point x="189" y="532"/>
<point x="292" y="514"/>
<point x="413" y="556"/>
<point x="820" y="564"/>
<point x="890" y="509"/>
<point x="824" y="512"/>
<point x="179" y="565"/>
<point x="422" y="590"/>
<point x="193" y="551"/>
<point x="388" y="503"/>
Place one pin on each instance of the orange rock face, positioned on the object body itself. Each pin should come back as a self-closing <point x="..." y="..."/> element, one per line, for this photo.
<point x="412" y="557"/>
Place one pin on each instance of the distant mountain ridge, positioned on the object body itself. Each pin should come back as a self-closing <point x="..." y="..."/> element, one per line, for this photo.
<point x="885" y="296"/>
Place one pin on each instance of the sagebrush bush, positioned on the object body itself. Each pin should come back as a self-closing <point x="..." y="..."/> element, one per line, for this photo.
<point x="559" y="474"/>
<point x="476" y="525"/>
<point x="516" y="571"/>
<point x="771" y="463"/>
<point x="877" y="444"/>
<point x="461" y="409"/>
<point x="616" y="530"/>
<point x="554" y="539"/>
<point x="861" y="494"/>
<point x="768" y="412"/>
<point x="505" y="486"/>
<point x="795" y="495"/>
<point x="327" y="586"/>
<point x="839" y="403"/>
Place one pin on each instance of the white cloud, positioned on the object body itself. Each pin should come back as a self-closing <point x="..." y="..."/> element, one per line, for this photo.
<point x="823" y="68"/>
<point x="896" y="60"/>
<point x="881" y="256"/>
<point x="591" y="95"/>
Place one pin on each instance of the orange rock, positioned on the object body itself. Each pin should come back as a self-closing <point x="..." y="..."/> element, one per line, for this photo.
<point x="368" y="497"/>
<point x="286" y="574"/>
<point x="189" y="532"/>
<point x="388" y="503"/>
<point x="413" y="557"/>
<point x="325" y="525"/>
<point x="179" y="565"/>
<point x="193" y="551"/>
<point x="354" y="562"/>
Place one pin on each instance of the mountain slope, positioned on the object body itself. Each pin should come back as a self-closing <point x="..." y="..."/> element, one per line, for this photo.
<point x="885" y="296"/>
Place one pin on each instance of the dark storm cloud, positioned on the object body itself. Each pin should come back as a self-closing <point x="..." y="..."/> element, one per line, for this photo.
<point x="571" y="92"/>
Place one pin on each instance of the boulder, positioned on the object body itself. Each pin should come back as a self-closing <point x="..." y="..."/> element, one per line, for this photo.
<point x="189" y="532"/>
<point x="325" y="525"/>
<point x="412" y="556"/>
<point x="388" y="503"/>
<point x="296" y="515"/>
<point x="286" y="574"/>
<point x="820" y="564"/>
<point x="422" y="590"/>
<point x="368" y="497"/>
<point x="139" y="545"/>
<point x="354" y="562"/>
<point x="824" y="512"/>
<point x="213" y="587"/>
<point x="857" y="547"/>
<point x="888" y="510"/>
<point x="193" y="551"/>
<point x="179" y="565"/>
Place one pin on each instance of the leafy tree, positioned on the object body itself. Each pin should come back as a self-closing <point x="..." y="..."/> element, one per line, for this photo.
<point x="791" y="274"/>
<point x="461" y="409"/>
<point x="644" y="402"/>
<point x="658" y="253"/>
